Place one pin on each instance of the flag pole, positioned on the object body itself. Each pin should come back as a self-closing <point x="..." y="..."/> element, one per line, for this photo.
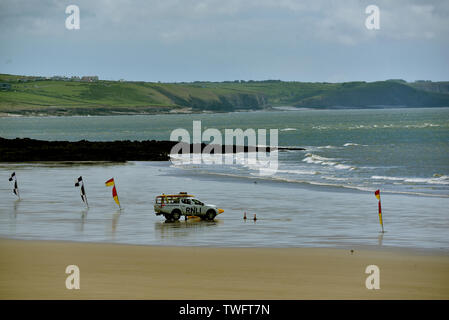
<point x="120" y="207"/>
<point x="377" y="194"/>
<point x="16" y="185"/>
<point x="381" y="218"/>
<point x="380" y="215"/>
<point x="382" y="224"/>
<point x="18" y="193"/>
<point x="85" y="195"/>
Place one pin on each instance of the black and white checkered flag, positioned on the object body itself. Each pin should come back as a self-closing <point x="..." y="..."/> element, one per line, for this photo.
<point x="78" y="183"/>
<point x="16" y="187"/>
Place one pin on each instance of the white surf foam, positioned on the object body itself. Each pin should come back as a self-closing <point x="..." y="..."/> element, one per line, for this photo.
<point x="351" y="144"/>
<point x="308" y="172"/>
<point x="436" y="180"/>
<point x="315" y="159"/>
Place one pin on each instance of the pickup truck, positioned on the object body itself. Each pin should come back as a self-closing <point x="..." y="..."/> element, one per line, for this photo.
<point x="173" y="206"/>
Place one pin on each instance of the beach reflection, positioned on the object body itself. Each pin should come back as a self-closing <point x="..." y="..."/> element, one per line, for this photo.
<point x="182" y="228"/>
<point x="380" y="239"/>
<point x="115" y="218"/>
<point x="13" y="216"/>
<point x="16" y="207"/>
<point x="83" y="219"/>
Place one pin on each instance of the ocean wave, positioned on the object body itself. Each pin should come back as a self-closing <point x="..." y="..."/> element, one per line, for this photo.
<point x="343" y="167"/>
<point x="424" y="125"/>
<point x="335" y="178"/>
<point x="351" y="144"/>
<point x="316" y="183"/>
<point x="307" y="172"/>
<point x="387" y="178"/>
<point x="288" y="129"/>
<point x="436" y="180"/>
<point x="320" y="127"/>
<point x="394" y="126"/>
<point x="315" y="159"/>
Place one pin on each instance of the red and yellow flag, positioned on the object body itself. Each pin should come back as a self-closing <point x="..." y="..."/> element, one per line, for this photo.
<point x="110" y="183"/>
<point x="377" y="194"/>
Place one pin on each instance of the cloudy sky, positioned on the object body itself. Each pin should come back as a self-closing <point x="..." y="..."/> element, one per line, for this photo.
<point x="215" y="40"/>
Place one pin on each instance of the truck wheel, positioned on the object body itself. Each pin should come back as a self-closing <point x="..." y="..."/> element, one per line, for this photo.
<point x="168" y="216"/>
<point x="210" y="215"/>
<point x="176" y="214"/>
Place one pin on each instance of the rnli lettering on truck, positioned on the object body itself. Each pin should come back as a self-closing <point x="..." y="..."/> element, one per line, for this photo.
<point x="193" y="210"/>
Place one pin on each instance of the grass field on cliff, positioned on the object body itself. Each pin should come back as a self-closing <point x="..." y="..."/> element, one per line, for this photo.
<point x="39" y="95"/>
<point x="105" y="97"/>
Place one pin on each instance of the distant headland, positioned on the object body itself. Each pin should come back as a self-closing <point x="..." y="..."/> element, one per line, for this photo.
<point x="66" y="96"/>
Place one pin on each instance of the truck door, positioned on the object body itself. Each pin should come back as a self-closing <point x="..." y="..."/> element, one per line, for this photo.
<point x="186" y="207"/>
<point x="191" y="207"/>
<point x="199" y="207"/>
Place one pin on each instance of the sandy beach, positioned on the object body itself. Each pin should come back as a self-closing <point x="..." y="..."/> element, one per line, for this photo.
<point x="36" y="270"/>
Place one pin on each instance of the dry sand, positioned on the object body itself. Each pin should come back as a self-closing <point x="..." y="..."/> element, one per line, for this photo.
<point x="36" y="270"/>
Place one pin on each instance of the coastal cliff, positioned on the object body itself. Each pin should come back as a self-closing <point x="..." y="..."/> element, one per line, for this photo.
<point x="35" y="96"/>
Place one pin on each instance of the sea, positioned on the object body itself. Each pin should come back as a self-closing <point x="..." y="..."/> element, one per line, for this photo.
<point x="322" y="196"/>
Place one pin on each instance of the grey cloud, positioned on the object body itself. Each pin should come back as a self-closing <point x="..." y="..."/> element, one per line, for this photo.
<point x="320" y="20"/>
<point x="319" y="39"/>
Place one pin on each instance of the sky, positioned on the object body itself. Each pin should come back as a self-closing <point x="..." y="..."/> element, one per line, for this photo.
<point x="225" y="40"/>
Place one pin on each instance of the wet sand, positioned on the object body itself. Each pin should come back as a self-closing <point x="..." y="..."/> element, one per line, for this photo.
<point x="36" y="270"/>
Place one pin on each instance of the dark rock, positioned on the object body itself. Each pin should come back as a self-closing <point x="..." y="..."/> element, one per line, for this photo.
<point x="20" y="150"/>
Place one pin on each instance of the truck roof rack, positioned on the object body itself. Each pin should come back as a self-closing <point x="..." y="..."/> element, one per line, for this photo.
<point x="175" y="195"/>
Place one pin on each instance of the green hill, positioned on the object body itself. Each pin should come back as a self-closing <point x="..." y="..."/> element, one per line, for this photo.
<point x="34" y="95"/>
<point x="376" y="94"/>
